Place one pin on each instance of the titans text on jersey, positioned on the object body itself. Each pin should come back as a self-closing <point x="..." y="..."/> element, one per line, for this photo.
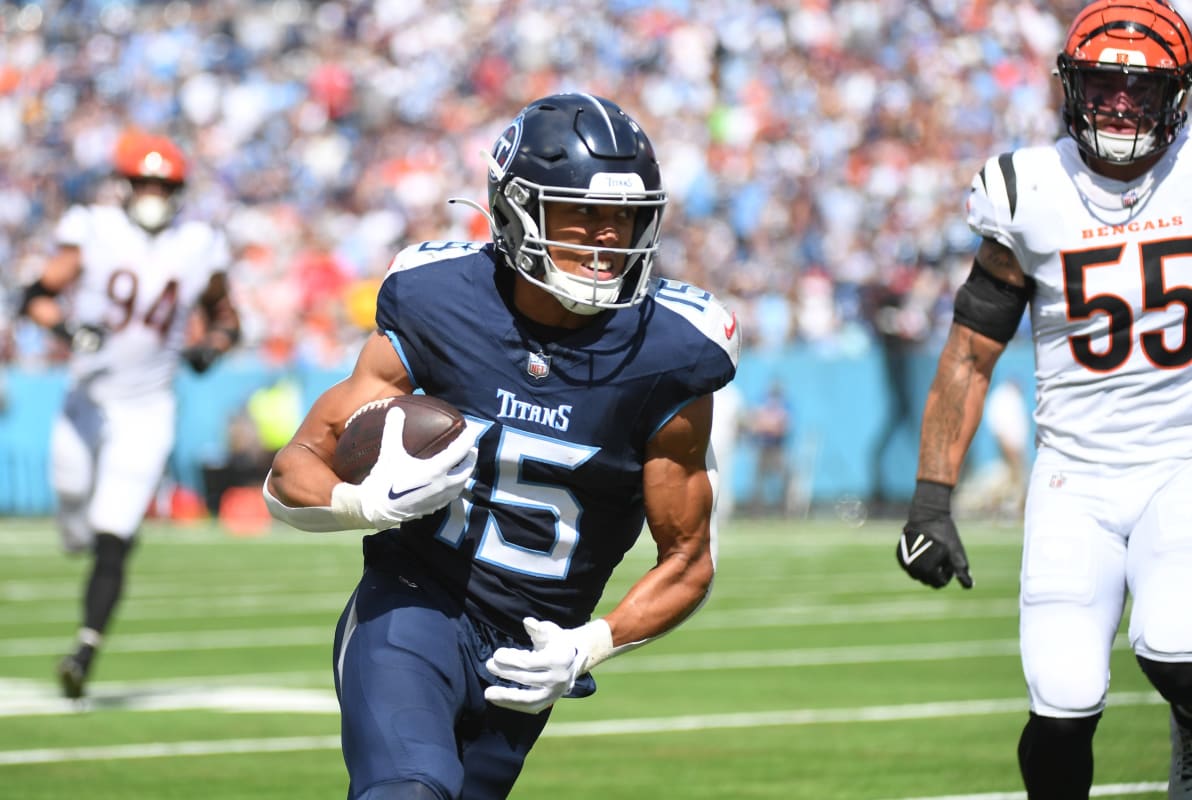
<point x="512" y="408"/>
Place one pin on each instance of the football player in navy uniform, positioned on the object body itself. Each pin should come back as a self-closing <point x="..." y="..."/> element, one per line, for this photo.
<point x="587" y="384"/>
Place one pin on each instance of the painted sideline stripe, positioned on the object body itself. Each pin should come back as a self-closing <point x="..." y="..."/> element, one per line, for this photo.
<point x="562" y="730"/>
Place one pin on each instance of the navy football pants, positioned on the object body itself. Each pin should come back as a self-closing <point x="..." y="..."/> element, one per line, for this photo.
<point x="410" y="677"/>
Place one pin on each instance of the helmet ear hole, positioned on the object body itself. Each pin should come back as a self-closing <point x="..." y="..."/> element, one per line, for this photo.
<point x="517" y="194"/>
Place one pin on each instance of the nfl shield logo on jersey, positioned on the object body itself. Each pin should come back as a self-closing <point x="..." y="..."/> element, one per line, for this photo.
<point x="539" y="365"/>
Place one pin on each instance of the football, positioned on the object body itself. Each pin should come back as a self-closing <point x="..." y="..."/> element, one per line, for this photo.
<point x="431" y="424"/>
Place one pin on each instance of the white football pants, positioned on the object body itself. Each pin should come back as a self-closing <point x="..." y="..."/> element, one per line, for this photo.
<point x="106" y="462"/>
<point x="1092" y="533"/>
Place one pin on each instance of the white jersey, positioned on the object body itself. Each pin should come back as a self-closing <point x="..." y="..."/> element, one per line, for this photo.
<point x="142" y="288"/>
<point x="1110" y="313"/>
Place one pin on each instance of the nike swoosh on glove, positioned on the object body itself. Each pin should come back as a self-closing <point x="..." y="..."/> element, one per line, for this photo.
<point x="547" y="672"/>
<point x="401" y="487"/>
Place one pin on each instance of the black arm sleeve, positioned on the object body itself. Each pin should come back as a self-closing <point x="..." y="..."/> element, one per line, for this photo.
<point x="990" y="306"/>
<point x="32" y="292"/>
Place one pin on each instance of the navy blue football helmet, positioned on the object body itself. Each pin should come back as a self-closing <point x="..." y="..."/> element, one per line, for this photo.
<point x="581" y="149"/>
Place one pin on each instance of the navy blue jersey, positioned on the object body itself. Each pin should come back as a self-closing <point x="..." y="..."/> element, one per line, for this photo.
<point x="557" y="498"/>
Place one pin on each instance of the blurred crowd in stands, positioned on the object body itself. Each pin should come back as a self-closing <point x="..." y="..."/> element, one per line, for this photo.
<point x="817" y="153"/>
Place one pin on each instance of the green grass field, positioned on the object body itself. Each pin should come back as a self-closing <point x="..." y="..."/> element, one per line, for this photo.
<point x="817" y="670"/>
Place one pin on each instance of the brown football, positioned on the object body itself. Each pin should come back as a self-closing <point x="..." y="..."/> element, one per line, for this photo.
<point x="431" y="424"/>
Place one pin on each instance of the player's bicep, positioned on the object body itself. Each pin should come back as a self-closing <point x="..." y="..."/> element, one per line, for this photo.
<point x="678" y="498"/>
<point x="1000" y="262"/>
<point x="677" y="489"/>
<point x="378" y="373"/>
<point x="297" y="478"/>
<point x="63" y="268"/>
<point x="216" y="301"/>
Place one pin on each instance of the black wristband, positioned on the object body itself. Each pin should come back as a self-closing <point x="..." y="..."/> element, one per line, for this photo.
<point x="200" y="357"/>
<point x="32" y="292"/>
<point x="931" y="497"/>
<point x="62" y="331"/>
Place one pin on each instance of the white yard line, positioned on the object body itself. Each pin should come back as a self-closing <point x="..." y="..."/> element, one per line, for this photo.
<point x="786" y="610"/>
<point x="231" y="699"/>
<point x="250" y="638"/>
<point x="812" y="656"/>
<point x="323" y="702"/>
<point x="168" y="750"/>
<point x="679" y="662"/>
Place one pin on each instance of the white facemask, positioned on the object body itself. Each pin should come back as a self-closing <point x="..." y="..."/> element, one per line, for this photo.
<point x="1121" y="147"/>
<point x="585" y="296"/>
<point x="152" y="212"/>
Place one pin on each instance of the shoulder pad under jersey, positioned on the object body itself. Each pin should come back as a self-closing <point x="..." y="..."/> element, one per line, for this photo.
<point x="993" y="199"/>
<point x="704" y="312"/>
<point x="417" y="255"/>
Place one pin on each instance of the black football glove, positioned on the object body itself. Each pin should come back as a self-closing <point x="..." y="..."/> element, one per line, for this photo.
<point x="200" y="357"/>
<point x="80" y="338"/>
<point x="929" y="549"/>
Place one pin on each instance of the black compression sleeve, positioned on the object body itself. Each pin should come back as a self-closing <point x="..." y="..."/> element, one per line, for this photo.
<point x="990" y="306"/>
<point x="32" y="292"/>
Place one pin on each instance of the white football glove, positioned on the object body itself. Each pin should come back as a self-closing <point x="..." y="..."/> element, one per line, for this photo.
<point x="401" y="487"/>
<point x="547" y="672"/>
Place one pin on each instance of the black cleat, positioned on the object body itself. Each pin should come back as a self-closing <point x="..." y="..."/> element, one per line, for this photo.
<point x="1180" y="781"/>
<point x="72" y="675"/>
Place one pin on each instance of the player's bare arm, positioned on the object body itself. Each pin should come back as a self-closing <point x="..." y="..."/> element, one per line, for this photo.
<point x="987" y="312"/>
<point x="678" y="496"/>
<point x="999" y="260"/>
<point x="222" y="320"/>
<point x="63" y="269"/>
<point x="955" y="403"/>
<point x="214" y="326"/>
<point x="956" y="399"/>
<point x="302" y="473"/>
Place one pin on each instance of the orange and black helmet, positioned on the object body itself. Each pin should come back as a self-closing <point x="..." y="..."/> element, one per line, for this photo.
<point x="1125" y="69"/>
<point x="148" y="156"/>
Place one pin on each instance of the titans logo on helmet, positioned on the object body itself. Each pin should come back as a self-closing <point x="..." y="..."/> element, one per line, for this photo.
<point x="505" y="148"/>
